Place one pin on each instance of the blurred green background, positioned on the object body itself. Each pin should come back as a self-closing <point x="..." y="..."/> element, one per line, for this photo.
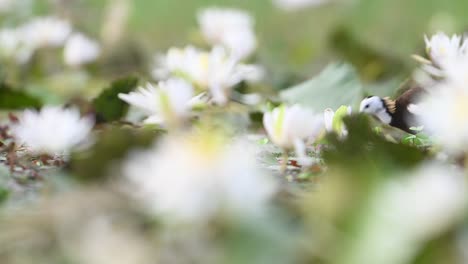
<point x="374" y="35"/>
<point x="377" y="37"/>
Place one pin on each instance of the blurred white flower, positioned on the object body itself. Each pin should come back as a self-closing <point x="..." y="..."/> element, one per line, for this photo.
<point x="9" y="42"/>
<point x="252" y="73"/>
<point x="448" y="60"/>
<point x="333" y="121"/>
<point x="444" y="115"/>
<point x="13" y="47"/>
<point x="190" y="63"/>
<point x="21" y="42"/>
<point x="286" y="124"/>
<point x="408" y="211"/>
<point x="224" y="73"/>
<point x="455" y="74"/>
<point x="44" y="32"/>
<point x="192" y="177"/>
<point x="291" y="127"/>
<point x="169" y="101"/>
<point x="215" y="71"/>
<point x="442" y="48"/>
<point x="328" y="116"/>
<point x="443" y="110"/>
<point x="293" y="5"/>
<point x="232" y="28"/>
<point x="80" y="50"/>
<point x="433" y="192"/>
<point x="53" y="130"/>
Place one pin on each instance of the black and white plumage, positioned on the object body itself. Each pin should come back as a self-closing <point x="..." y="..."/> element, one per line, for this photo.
<point x="398" y="113"/>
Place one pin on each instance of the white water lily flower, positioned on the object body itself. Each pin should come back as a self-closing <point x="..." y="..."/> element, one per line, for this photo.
<point x="455" y="74"/>
<point x="193" y="177"/>
<point x="45" y="32"/>
<point x="397" y="223"/>
<point x="224" y="73"/>
<point x="169" y="101"/>
<point x="285" y="124"/>
<point x="442" y="48"/>
<point x="188" y="62"/>
<point x="21" y="42"/>
<point x="53" y="130"/>
<point x="13" y="47"/>
<point x="328" y="116"/>
<point x="448" y="59"/>
<point x="444" y="115"/>
<point x="293" y="5"/>
<point x="80" y="50"/>
<point x="9" y="41"/>
<point x="252" y="73"/>
<point x="215" y="71"/>
<point x="443" y="110"/>
<point x="291" y="127"/>
<point x="232" y="28"/>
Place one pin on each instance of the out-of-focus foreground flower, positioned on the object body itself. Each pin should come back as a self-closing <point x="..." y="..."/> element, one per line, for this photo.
<point x="53" y="130"/>
<point x="444" y="114"/>
<point x="443" y="109"/>
<point x="191" y="177"/>
<point x="407" y="212"/>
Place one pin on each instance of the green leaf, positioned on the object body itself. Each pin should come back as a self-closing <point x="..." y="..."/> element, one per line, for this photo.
<point x="338" y="84"/>
<point x="263" y="141"/>
<point x="417" y="129"/>
<point x="363" y="148"/>
<point x="4" y="194"/>
<point x="11" y="99"/>
<point x="359" y="163"/>
<point x="385" y="88"/>
<point x="108" y="106"/>
<point x="399" y="31"/>
<point x="372" y="64"/>
<point x="340" y="113"/>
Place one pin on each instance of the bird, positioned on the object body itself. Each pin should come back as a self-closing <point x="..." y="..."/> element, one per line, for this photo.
<point x="399" y="113"/>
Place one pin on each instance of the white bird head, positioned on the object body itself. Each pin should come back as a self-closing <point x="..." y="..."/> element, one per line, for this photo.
<point x="376" y="106"/>
<point x="372" y="105"/>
